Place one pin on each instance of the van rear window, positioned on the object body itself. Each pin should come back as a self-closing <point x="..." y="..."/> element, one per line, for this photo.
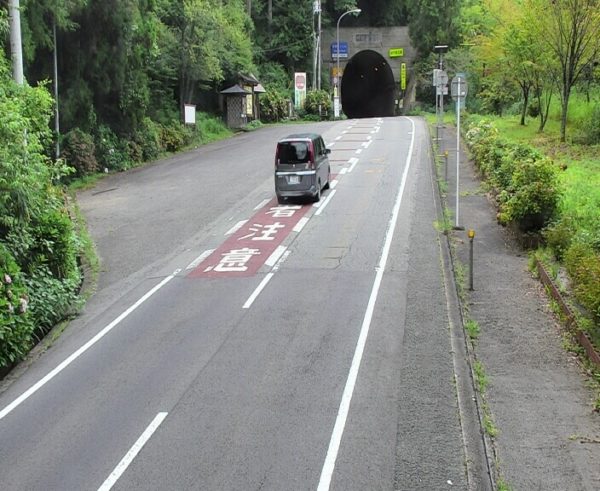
<point x="293" y="152"/>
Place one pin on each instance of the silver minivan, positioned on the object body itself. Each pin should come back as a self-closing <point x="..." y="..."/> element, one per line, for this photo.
<point x="301" y="167"/>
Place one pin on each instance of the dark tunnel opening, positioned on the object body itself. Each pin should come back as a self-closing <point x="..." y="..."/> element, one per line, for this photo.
<point x="367" y="87"/>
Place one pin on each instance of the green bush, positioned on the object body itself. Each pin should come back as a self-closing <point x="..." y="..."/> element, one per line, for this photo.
<point x="274" y="105"/>
<point x="79" y="152"/>
<point x="525" y="182"/>
<point x="148" y="139"/>
<point x="16" y="326"/>
<point x="51" y="300"/>
<point x="583" y="266"/>
<point x="111" y="151"/>
<point x="316" y="99"/>
<point x="174" y="137"/>
<point x="589" y="128"/>
<point x="531" y="199"/>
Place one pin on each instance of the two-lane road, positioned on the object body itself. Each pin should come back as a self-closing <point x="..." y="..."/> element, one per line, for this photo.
<point x="235" y="343"/>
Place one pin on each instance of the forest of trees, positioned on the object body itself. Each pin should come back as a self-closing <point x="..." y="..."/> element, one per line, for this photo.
<point x="126" y="67"/>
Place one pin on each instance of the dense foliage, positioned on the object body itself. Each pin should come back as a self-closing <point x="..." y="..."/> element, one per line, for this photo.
<point x="38" y="245"/>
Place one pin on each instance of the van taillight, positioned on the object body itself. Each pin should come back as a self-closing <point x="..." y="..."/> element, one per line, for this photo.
<point x="276" y="155"/>
<point x="311" y="155"/>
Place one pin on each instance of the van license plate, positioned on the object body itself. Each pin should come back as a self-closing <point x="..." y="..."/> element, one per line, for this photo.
<point x="294" y="180"/>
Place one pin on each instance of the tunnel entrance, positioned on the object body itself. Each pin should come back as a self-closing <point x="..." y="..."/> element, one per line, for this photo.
<point x="368" y="86"/>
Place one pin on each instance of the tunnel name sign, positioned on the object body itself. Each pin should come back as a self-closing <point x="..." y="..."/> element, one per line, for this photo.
<point x="396" y="52"/>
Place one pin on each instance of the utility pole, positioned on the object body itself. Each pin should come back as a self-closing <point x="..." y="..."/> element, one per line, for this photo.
<point x="56" y="114"/>
<point x="319" y="56"/>
<point x="16" y="49"/>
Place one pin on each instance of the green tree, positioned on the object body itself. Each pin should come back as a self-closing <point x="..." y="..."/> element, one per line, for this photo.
<point x="570" y="30"/>
<point x="433" y="22"/>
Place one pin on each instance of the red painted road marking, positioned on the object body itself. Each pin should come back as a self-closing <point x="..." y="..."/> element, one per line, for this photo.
<point x="247" y="249"/>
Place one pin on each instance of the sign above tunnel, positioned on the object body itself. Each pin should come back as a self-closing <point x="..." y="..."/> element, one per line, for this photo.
<point x="396" y="52"/>
<point x="341" y="52"/>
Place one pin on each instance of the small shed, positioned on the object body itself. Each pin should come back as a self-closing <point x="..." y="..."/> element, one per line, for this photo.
<point x="235" y="106"/>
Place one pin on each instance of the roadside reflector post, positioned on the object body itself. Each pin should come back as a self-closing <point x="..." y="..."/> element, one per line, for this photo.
<point x="471" y="234"/>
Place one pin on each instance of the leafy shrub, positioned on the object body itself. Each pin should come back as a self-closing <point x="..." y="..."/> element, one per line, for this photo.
<point x="16" y="326"/>
<point x="317" y="99"/>
<point x="589" y="128"/>
<point x="559" y="235"/>
<point x="274" y="105"/>
<point x="531" y="199"/>
<point x="526" y="183"/>
<point x="51" y="300"/>
<point x="79" y="152"/>
<point x="148" y="139"/>
<point x="174" y="136"/>
<point x="583" y="266"/>
<point x="111" y="152"/>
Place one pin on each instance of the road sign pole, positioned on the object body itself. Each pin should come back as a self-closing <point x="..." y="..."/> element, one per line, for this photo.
<point x="457" y="153"/>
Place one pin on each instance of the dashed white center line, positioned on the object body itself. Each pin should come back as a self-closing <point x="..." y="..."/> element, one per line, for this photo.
<point x="236" y="227"/>
<point x="137" y="446"/>
<point x="259" y="289"/>
<point x="343" y="170"/>
<point x="359" y="151"/>
<point x="300" y="225"/>
<point x="331" y="144"/>
<point x="262" y="203"/>
<point x="353" y="161"/>
<point x="326" y="202"/>
<point x="274" y="257"/>
<point x="199" y="259"/>
<point x="333" y="184"/>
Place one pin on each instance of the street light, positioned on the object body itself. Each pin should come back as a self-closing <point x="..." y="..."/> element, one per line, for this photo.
<point x="337" y="86"/>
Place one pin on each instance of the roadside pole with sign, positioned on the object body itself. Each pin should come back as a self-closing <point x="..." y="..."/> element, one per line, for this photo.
<point x="459" y="90"/>
<point x="300" y="89"/>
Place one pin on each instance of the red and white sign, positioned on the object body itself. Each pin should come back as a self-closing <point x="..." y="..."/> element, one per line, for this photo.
<point x="246" y="250"/>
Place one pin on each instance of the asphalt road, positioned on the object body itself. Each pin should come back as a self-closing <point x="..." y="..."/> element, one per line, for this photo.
<point x="237" y="344"/>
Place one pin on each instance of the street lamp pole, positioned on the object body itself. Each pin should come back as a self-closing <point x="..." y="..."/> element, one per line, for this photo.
<point x="338" y="85"/>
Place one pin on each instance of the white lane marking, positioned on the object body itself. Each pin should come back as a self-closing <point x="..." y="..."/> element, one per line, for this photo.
<point x="274" y="257"/>
<point x="330" y="144"/>
<point x="300" y="225"/>
<point x="333" y="184"/>
<point x="259" y="289"/>
<point x="340" y="422"/>
<point x="353" y="161"/>
<point x="237" y="226"/>
<point x="199" y="259"/>
<point x="38" y="385"/>
<point x="338" y="137"/>
<point x="262" y="203"/>
<point x="367" y="143"/>
<point x="326" y="202"/>
<point x="345" y="131"/>
<point x="343" y="170"/>
<point x="282" y="260"/>
<point x="359" y="151"/>
<point x="133" y="451"/>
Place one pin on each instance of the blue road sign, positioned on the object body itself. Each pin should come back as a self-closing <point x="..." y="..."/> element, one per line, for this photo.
<point x="342" y="52"/>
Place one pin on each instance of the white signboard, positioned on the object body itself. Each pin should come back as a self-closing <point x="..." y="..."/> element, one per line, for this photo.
<point x="189" y="114"/>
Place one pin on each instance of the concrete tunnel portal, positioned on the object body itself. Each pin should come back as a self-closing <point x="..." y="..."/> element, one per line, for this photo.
<point x="368" y="86"/>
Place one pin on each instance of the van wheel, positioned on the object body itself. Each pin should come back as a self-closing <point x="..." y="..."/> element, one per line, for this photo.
<point x="328" y="178"/>
<point x="317" y="196"/>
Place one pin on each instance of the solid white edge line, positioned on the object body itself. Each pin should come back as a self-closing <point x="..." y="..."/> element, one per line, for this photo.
<point x="333" y="184"/>
<point x="237" y="226"/>
<point x="261" y="204"/>
<point x="340" y="422"/>
<point x="199" y="259"/>
<point x="259" y="289"/>
<point x="133" y="451"/>
<point x="38" y="385"/>
<point x="326" y="202"/>
<point x="275" y="255"/>
<point x="300" y="225"/>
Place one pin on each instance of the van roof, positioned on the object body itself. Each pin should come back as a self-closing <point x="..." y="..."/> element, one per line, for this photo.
<point x="300" y="136"/>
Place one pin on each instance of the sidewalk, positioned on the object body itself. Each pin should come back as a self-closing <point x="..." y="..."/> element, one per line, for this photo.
<point x="548" y="434"/>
